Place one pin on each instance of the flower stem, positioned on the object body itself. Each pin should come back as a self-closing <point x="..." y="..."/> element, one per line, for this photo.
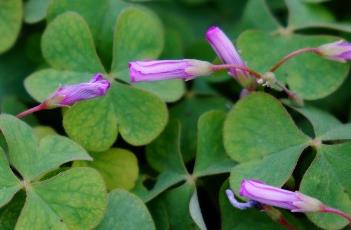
<point x="283" y="222"/>
<point x="291" y="55"/>
<point x="335" y="211"/>
<point x="240" y="67"/>
<point x="31" y="110"/>
<point x="277" y="216"/>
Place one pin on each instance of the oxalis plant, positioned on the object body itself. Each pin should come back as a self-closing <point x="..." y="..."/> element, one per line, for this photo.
<point x="147" y="117"/>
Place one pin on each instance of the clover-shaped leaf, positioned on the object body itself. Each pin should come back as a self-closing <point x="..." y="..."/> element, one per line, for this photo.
<point x="311" y="76"/>
<point x="10" y="23"/>
<point x="277" y="145"/>
<point x="164" y="156"/>
<point x="305" y="15"/>
<point x="262" y="19"/>
<point x="69" y="47"/>
<point x="132" y="32"/>
<point x="73" y="199"/>
<point x="119" y="167"/>
<point x="328" y="176"/>
<point x="188" y="112"/>
<point x="126" y="211"/>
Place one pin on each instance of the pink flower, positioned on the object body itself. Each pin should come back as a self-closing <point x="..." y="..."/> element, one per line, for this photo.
<point x="69" y="94"/>
<point x="225" y="49"/>
<point x="168" y="69"/>
<point x="337" y="51"/>
<point x="264" y="194"/>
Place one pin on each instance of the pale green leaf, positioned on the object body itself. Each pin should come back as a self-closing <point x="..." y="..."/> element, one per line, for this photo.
<point x="10" y="22"/>
<point x="118" y="167"/>
<point x="67" y="44"/>
<point x="92" y="123"/>
<point x="211" y="157"/>
<point x="328" y="179"/>
<point x="141" y="115"/>
<point x="126" y="211"/>
<point x="138" y="35"/>
<point x="35" y="10"/>
<point x="9" y="184"/>
<point x="257" y="126"/>
<point x="74" y="199"/>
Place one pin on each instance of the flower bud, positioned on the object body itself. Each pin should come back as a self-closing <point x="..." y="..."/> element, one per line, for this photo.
<point x="69" y="94"/>
<point x="168" y="69"/>
<point x="268" y="195"/>
<point x="337" y="51"/>
<point x="225" y="49"/>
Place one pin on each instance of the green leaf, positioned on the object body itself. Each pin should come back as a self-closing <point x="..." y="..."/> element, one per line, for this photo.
<point x="100" y="17"/>
<point x="188" y="112"/>
<point x="262" y="19"/>
<point x="164" y="153"/>
<point x="118" y="167"/>
<point x="35" y="10"/>
<point x="141" y="115"/>
<point x="242" y="219"/>
<point x="328" y="179"/>
<point x="68" y="44"/>
<point x="43" y="131"/>
<point x="74" y="199"/>
<point x="126" y="211"/>
<point x="177" y="204"/>
<point x="10" y="23"/>
<point x="304" y="15"/>
<point x="10" y="213"/>
<point x="258" y="126"/>
<point x="168" y="90"/>
<point x="195" y="211"/>
<point x="159" y="214"/>
<point x="138" y="35"/>
<point x="280" y="164"/>
<point x="210" y="157"/>
<point x="41" y="84"/>
<point x="326" y="127"/>
<point x="321" y="121"/>
<point x="33" y="158"/>
<point x="8" y="181"/>
<point x="92" y="123"/>
<point x="316" y="80"/>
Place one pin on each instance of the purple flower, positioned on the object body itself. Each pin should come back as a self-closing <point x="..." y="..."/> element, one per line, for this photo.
<point x="225" y="50"/>
<point x="69" y="94"/>
<point x="168" y="69"/>
<point x="264" y="194"/>
<point x="337" y="51"/>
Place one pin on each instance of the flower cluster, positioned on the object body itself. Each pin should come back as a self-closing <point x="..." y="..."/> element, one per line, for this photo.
<point x="189" y="68"/>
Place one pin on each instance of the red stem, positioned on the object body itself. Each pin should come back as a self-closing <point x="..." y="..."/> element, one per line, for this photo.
<point x="240" y="67"/>
<point x="291" y="55"/>
<point x="31" y="110"/>
<point x="327" y="209"/>
<point x="283" y="222"/>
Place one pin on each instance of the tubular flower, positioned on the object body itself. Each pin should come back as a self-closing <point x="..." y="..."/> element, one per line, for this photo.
<point x="168" y="69"/>
<point x="264" y="194"/>
<point x="338" y="51"/>
<point x="225" y="50"/>
<point x="69" y="94"/>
